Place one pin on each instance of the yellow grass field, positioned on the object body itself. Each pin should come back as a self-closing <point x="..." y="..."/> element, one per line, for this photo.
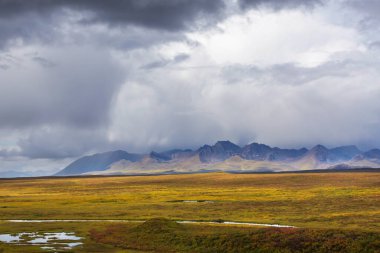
<point x="307" y="200"/>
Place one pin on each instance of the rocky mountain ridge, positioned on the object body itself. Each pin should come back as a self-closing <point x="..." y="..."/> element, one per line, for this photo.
<point x="224" y="156"/>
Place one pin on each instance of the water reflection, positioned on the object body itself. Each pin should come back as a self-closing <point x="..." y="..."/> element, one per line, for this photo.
<point x="46" y="241"/>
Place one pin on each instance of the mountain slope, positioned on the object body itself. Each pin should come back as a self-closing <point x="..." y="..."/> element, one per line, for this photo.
<point x="97" y="162"/>
<point x="343" y="153"/>
<point x="373" y="154"/>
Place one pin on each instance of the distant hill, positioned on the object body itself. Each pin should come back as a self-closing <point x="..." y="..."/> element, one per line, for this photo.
<point x="97" y="162"/>
<point x="373" y="154"/>
<point x="224" y="156"/>
<point x="343" y="153"/>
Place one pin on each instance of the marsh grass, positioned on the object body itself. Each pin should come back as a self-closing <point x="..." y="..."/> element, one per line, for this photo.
<point x="320" y="200"/>
<point x="341" y="206"/>
<point x="162" y="235"/>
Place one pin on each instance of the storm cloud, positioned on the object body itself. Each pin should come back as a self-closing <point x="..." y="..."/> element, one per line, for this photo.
<point x="166" y="14"/>
<point x="75" y="90"/>
<point x="278" y="5"/>
<point x="38" y="20"/>
<point x="78" y="77"/>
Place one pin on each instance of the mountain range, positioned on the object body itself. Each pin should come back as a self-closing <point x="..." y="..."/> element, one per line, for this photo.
<point x="224" y="156"/>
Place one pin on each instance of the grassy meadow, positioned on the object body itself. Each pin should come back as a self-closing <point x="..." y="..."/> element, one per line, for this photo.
<point x="348" y="202"/>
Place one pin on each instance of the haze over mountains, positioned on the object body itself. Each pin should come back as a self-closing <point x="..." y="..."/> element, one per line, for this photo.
<point x="224" y="156"/>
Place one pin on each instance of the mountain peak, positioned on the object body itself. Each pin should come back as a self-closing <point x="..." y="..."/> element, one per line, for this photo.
<point x="256" y="151"/>
<point x="159" y="156"/>
<point x="227" y="145"/>
<point x="255" y="144"/>
<point x="342" y="153"/>
<point x="319" y="147"/>
<point x="220" y="151"/>
<point x="319" y="152"/>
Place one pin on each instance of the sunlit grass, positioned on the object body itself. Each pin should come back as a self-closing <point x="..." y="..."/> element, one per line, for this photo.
<point x="321" y="200"/>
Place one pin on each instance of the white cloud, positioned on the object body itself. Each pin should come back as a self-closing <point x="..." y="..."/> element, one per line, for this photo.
<point x="265" y="38"/>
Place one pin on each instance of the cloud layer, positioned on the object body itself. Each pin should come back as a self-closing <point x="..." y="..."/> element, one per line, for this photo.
<point x="86" y="76"/>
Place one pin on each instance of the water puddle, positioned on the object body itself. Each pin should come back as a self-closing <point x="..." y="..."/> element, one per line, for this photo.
<point x="54" y="242"/>
<point x="238" y="223"/>
<point x="8" y="238"/>
<point x="198" y="201"/>
<point x="41" y="221"/>
<point x="191" y="201"/>
<point x="179" y="221"/>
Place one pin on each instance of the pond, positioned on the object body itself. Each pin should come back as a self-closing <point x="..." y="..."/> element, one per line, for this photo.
<point x="47" y="241"/>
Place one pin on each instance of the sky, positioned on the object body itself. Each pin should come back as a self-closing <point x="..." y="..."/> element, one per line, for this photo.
<point x="86" y="76"/>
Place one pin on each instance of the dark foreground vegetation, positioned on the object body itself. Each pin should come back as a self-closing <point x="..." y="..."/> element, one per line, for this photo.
<point x="162" y="235"/>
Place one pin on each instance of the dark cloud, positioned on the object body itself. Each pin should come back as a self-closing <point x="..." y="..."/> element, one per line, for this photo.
<point x="58" y="100"/>
<point x="369" y="10"/>
<point x="40" y="20"/>
<point x="159" y="14"/>
<point x="57" y="142"/>
<point x="9" y="152"/>
<point x="78" y="93"/>
<point x="156" y="64"/>
<point x="6" y="61"/>
<point x="374" y="45"/>
<point x="165" y="62"/>
<point x="181" y="58"/>
<point x="43" y="62"/>
<point x="25" y="27"/>
<point x="11" y="8"/>
<point x="288" y="73"/>
<point x="4" y="66"/>
<point x="371" y="7"/>
<point x="278" y="4"/>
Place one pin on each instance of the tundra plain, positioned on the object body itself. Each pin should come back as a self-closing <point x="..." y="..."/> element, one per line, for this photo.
<point x="336" y="201"/>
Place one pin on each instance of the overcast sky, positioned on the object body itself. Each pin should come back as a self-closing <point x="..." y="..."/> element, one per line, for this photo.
<point x="85" y="76"/>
